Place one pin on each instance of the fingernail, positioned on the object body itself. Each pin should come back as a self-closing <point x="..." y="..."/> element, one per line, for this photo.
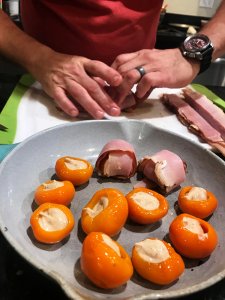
<point x="116" y="79"/>
<point x="73" y="113"/>
<point x="115" y="111"/>
<point x="99" y="114"/>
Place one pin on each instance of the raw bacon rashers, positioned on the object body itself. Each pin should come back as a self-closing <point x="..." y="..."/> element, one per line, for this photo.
<point x="129" y="103"/>
<point x="165" y="168"/>
<point x="194" y="121"/>
<point x="117" y="159"/>
<point x="209" y="111"/>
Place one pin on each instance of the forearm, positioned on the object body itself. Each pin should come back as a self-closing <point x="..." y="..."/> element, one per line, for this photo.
<point x="215" y="30"/>
<point x="18" y="46"/>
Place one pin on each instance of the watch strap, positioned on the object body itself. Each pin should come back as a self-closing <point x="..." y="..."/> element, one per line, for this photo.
<point x="206" y="61"/>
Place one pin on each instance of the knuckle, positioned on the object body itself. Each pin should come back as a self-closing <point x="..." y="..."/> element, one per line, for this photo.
<point x="119" y="60"/>
<point x="147" y="55"/>
<point x="95" y="64"/>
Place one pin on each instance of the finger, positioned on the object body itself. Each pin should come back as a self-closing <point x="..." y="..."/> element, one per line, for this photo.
<point x="83" y="98"/>
<point x="123" y="90"/>
<point x="149" y="81"/>
<point x="65" y="103"/>
<point x="93" y="99"/>
<point x="123" y="59"/>
<point x="100" y="95"/>
<point x="142" y="99"/>
<point x="99" y="69"/>
<point x="100" y="81"/>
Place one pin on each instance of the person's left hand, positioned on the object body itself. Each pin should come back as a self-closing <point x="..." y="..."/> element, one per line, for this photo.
<point x="162" y="68"/>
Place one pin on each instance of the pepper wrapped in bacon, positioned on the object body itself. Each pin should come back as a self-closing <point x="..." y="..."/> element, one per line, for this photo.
<point x="165" y="168"/>
<point x="129" y="103"/>
<point x="117" y="159"/>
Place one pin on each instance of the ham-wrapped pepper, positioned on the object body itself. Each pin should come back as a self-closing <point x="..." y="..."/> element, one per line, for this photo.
<point x="165" y="168"/>
<point x="117" y="159"/>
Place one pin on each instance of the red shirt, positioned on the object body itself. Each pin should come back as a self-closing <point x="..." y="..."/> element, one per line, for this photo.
<point x="97" y="29"/>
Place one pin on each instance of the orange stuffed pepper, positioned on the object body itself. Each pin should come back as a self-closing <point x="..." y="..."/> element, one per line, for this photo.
<point x="73" y="169"/>
<point x="104" y="261"/>
<point x="192" y="237"/>
<point x="53" y="191"/>
<point x="157" y="261"/>
<point x="51" y="223"/>
<point x="197" y="201"/>
<point x="106" y="212"/>
<point x="146" y="206"/>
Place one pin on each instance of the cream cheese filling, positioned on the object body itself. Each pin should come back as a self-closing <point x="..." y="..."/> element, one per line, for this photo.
<point x="152" y="251"/>
<point x="74" y="164"/>
<point x="52" y="219"/>
<point x="196" y="194"/>
<point x="146" y="200"/>
<point x="109" y="242"/>
<point x="98" y="208"/>
<point x="162" y="178"/>
<point x="113" y="160"/>
<point x="195" y="227"/>
<point x="52" y="185"/>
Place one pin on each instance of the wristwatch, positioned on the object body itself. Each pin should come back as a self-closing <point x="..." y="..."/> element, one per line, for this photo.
<point x="198" y="47"/>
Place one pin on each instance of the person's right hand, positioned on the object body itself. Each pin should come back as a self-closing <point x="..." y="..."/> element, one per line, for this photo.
<point x="74" y="82"/>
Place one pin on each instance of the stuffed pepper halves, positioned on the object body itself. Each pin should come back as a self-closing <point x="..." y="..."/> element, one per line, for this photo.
<point x="165" y="168"/>
<point x="117" y="159"/>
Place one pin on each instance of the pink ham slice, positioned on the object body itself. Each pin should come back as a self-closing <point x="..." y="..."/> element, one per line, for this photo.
<point x="164" y="168"/>
<point x="194" y="121"/>
<point x="209" y="111"/>
<point x="129" y="103"/>
<point x="117" y="159"/>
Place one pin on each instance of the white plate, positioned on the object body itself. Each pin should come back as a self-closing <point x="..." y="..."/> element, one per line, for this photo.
<point x="32" y="162"/>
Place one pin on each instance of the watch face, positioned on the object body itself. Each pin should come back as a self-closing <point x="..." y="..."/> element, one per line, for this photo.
<point x="196" y="43"/>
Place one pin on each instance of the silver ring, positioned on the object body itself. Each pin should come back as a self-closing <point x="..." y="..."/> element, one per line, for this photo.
<point x="141" y="71"/>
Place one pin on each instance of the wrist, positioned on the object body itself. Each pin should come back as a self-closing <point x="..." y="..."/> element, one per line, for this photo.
<point x="38" y="59"/>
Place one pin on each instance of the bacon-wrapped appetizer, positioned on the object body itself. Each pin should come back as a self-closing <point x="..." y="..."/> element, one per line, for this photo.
<point x="165" y="168"/>
<point x="117" y="159"/>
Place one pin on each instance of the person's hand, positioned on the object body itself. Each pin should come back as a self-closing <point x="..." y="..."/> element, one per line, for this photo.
<point x="75" y="83"/>
<point x="162" y="68"/>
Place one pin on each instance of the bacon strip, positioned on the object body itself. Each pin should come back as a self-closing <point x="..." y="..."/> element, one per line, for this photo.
<point x="117" y="159"/>
<point x="194" y="121"/>
<point x="209" y="111"/>
<point x="129" y="103"/>
<point x="165" y="168"/>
